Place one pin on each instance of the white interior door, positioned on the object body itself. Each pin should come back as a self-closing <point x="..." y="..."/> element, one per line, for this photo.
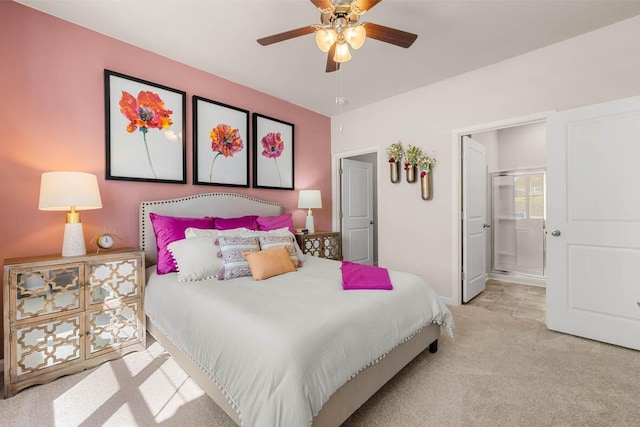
<point x="474" y="223"/>
<point x="357" y="211"/>
<point x="593" y="222"/>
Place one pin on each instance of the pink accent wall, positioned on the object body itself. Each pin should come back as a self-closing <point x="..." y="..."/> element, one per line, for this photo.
<point x="52" y="110"/>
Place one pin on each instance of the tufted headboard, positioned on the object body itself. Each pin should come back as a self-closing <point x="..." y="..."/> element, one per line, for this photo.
<point x="224" y="205"/>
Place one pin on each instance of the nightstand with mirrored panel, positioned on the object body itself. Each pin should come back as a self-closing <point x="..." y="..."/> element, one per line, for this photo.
<point x="327" y="244"/>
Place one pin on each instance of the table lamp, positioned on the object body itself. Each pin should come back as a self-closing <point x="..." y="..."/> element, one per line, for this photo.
<point x="70" y="191"/>
<point x="309" y="199"/>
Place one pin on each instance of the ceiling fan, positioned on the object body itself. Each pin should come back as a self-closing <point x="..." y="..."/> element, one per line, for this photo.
<point x="340" y="28"/>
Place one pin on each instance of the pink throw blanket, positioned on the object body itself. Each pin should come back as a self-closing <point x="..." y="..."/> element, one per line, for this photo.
<point x="360" y="276"/>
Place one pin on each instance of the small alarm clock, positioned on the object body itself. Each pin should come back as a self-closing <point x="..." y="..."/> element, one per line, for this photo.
<point x="105" y="240"/>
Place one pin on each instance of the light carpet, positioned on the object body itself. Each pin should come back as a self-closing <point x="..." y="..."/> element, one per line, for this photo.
<point x="498" y="371"/>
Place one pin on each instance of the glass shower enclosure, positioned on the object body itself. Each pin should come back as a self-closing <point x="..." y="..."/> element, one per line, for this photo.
<point x="518" y="220"/>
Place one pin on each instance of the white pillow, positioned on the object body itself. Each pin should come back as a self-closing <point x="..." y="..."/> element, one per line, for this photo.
<point x="256" y="233"/>
<point x="192" y="232"/>
<point x="214" y="234"/>
<point x="196" y="258"/>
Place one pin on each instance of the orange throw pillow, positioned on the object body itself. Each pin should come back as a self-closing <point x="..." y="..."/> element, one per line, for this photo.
<point x="269" y="262"/>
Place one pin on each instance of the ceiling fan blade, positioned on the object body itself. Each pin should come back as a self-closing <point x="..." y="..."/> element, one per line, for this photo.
<point x="390" y="35"/>
<point x="265" y="41"/>
<point x="331" y="64"/>
<point x="365" y="5"/>
<point x="323" y="5"/>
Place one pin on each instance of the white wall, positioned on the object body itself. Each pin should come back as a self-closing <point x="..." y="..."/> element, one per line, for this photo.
<point x="489" y="139"/>
<point x="599" y="66"/>
<point x="522" y="147"/>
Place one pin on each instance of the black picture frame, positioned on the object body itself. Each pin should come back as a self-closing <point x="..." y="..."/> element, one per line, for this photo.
<point x="145" y="125"/>
<point x="273" y="153"/>
<point x="220" y="164"/>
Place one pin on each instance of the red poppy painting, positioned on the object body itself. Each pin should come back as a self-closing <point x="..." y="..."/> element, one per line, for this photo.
<point x="273" y="153"/>
<point x="145" y="124"/>
<point x="219" y="135"/>
<point x="145" y="112"/>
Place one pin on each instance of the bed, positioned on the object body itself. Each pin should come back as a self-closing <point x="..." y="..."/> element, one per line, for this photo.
<point x="294" y="349"/>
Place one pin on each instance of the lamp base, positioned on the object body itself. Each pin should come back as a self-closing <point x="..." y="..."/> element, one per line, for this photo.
<point x="309" y="224"/>
<point x="73" y="242"/>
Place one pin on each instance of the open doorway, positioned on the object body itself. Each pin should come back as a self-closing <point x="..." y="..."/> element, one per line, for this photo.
<point x="515" y="205"/>
<point x="515" y="220"/>
<point x="502" y="152"/>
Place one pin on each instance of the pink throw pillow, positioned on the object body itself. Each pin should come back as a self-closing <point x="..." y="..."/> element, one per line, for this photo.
<point x="360" y="276"/>
<point x="248" y="221"/>
<point x="168" y="229"/>
<point x="266" y="223"/>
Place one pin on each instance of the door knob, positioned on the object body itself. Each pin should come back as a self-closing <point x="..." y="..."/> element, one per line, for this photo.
<point x="486" y="225"/>
<point x="555" y="233"/>
<point x="371" y="222"/>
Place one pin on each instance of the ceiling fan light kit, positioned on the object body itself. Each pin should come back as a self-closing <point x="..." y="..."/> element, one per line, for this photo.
<point x="340" y="28"/>
<point x="325" y="39"/>
<point x="356" y="36"/>
<point x="342" y="53"/>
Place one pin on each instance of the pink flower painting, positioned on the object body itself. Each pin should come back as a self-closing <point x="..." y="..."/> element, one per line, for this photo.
<point x="272" y="148"/>
<point x="225" y="141"/>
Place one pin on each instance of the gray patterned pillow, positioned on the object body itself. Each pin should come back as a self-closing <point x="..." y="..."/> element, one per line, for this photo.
<point x="274" y="241"/>
<point x="234" y="263"/>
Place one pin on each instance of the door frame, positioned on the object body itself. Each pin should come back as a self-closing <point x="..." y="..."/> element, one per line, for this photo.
<point x="336" y="203"/>
<point x="456" y="186"/>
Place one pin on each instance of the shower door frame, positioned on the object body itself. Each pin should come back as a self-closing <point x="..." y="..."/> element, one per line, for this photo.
<point x="516" y="172"/>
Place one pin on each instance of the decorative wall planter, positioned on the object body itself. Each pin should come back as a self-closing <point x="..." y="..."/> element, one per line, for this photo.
<point x="394" y="170"/>
<point x="426" y="186"/>
<point x="411" y="174"/>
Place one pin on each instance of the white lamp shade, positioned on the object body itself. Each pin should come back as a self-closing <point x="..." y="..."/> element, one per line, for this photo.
<point x="309" y="199"/>
<point x="59" y="191"/>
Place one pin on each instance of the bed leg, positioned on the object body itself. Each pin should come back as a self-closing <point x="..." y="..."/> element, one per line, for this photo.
<point x="433" y="347"/>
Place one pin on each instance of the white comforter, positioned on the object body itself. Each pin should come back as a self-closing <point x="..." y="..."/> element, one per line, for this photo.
<point x="279" y="348"/>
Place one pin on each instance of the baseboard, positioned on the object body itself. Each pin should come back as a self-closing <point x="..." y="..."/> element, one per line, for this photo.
<point x="445" y="300"/>
<point x="515" y="278"/>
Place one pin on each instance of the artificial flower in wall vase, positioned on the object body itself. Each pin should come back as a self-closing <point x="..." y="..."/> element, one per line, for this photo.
<point x="412" y="157"/>
<point x="145" y="112"/>
<point x="425" y="165"/>
<point x="395" y="153"/>
<point x="272" y="148"/>
<point x="225" y="141"/>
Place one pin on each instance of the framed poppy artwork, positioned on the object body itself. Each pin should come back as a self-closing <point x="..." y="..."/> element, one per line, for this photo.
<point x="272" y="153"/>
<point x="220" y="147"/>
<point x="145" y="128"/>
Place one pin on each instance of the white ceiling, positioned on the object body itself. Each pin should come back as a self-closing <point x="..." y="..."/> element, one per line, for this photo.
<point x="454" y="36"/>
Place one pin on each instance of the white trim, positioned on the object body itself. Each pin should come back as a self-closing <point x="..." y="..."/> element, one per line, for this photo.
<point x="516" y="278"/>
<point x="335" y="182"/>
<point x="523" y="169"/>
<point x="445" y="300"/>
<point x="456" y="207"/>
